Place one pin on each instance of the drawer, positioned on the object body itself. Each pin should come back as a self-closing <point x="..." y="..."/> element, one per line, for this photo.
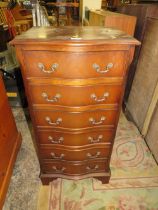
<point x="61" y="119"/>
<point x="73" y="153"/>
<point x="79" y="138"/>
<point x="74" y="65"/>
<point x="65" y="167"/>
<point x="75" y="96"/>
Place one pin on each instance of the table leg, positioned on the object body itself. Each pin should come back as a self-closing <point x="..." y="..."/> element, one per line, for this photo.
<point x="68" y="14"/>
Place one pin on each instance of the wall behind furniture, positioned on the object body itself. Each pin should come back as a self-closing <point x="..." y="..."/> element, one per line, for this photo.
<point x="143" y="97"/>
<point x="90" y="4"/>
<point x="152" y="134"/>
<point x="142" y="12"/>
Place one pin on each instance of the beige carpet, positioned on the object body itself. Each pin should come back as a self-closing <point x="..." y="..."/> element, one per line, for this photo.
<point x="133" y="184"/>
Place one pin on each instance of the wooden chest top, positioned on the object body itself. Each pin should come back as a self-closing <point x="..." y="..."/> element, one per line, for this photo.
<point x="74" y="35"/>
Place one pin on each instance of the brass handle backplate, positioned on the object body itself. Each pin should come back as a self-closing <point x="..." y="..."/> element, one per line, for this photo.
<point x="53" y="99"/>
<point x="92" y="140"/>
<point x="98" y="69"/>
<point x="93" y="122"/>
<point x="89" y="155"/>
<point x="95" y="98"/>
<point x="54" y="156"/>
<point x="58" y="170"/>
<point x="58" y="121"/>
<point x="92" y="169"/>
<point x="55" y="141"/>
<point x="53" y="67"/>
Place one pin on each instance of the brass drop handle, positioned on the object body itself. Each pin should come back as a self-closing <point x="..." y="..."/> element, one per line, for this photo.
<point x="98" y="69"/>
<point x="92" y="169"/>
<point x="58" y="170"/>
<point x="53" y="67"/>
<point x="57" y="141"/>
<point x="89" y="155"/>
<point x="92" y="140"/>
<point x="53" y="99"/>
<point x="54" y="156"/>
<point x="93" y="122"/>
<point x="95" y="98"/>
<point x="58" y="121"/>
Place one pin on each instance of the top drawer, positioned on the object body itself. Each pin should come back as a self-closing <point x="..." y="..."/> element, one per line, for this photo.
<point x="74" y="65"/>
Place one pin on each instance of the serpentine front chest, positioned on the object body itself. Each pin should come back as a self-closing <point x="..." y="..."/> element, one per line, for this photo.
<point x="74" y="79"/>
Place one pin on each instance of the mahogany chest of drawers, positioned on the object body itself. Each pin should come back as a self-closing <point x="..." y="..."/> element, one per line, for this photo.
<point x="74" y="79"/>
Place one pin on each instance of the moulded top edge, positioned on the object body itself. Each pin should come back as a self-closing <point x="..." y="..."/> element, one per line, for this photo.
<point x="74" y="36"/>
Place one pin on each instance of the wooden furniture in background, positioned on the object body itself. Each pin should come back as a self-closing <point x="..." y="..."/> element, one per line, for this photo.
<point x="7" y="18"/>
<point x="86" y="5"/>
<point x="112" y="4"/>
<point x="104" y="4"/>
<point x="142" y="12"/>
<point x="10" y="141"/>
<point x="3" y="18"/>
<point x="115" y="20"/>
<point x="74" y="105"/>
<point x="20" y="13"/>
<point x="67" y="5"/>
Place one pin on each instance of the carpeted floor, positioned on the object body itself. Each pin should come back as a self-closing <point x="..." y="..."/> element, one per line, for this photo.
<point x="133" y="184"/>
<point x="25" y="183"/>
<point x="134" y="178"/>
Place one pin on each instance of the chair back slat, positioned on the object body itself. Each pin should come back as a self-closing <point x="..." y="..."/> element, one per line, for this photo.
<point x="3" y="18"/>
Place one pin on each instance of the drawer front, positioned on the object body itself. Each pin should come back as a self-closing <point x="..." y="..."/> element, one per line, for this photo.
<point x="75" y="138"/>
<point x="74" y="154"/>
<point x="75" y="96"/>
<point x="61" y="119"/>
<point x="74" y="65"/>
<point x="63" y="167"/>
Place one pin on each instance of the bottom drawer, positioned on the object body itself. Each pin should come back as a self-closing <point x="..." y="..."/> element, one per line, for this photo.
<point x="72" y="168"/>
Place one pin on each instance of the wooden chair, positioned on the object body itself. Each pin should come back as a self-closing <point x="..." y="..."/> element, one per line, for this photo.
<point x="21" y="14"/>
<point x="6" y="17"/>
<point x="3" y="18"/>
